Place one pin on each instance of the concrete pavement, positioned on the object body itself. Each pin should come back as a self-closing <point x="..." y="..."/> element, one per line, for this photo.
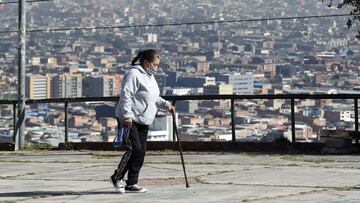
<point x="82" y="176"/>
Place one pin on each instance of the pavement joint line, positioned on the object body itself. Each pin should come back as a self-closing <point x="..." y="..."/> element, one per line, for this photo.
<point x="168" y="169"/>
<point x="40" y="153"/>
<point x="306" y="193"/>
<point x="297" y="158"/>
<point x="357" y="186"/>
<point x="288" y="195"/>
<point x="214" y="163"/>
<point x="193" y="171"/>
<point x="16" y="177"/>
<point x="178" y="163"/>
<point x="119" y="153"/>
<point x="150" y="163"/>
<point x="32" y="173"/>
<point x="43" y="162"/>
<point x="261" y="165"/>
<point x="199" y="180"/>
<point x="99" y="180"/>
<point x="270" y="185"/>
<point x="351" y="188"/>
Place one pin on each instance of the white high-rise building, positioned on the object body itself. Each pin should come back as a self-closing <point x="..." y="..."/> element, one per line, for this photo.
<point x="242" y="83"/>
<point x="152" y="38"/>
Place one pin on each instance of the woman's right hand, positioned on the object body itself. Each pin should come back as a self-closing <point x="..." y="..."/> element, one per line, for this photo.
<point x="127" y="122"/>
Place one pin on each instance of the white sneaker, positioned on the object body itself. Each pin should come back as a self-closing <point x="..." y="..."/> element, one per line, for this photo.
<point x="135" y="188"/>
<point x="118" y="185"/>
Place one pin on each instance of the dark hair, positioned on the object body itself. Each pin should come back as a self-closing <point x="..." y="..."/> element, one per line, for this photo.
<point x="149" y="55"/>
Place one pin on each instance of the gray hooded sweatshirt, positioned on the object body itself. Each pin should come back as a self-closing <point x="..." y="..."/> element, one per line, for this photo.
<point x="140" y="97"/>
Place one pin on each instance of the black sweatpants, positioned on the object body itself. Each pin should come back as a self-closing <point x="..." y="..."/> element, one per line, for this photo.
<point x="133" y="159"/>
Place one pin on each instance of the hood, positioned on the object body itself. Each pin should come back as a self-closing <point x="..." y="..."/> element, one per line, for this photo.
<point x="139" y="67"/>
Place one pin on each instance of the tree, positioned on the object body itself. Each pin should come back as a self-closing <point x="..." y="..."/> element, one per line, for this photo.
<point x="355" y="4"/>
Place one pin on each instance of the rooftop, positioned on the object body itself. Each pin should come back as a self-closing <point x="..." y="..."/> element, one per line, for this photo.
<point x="82" y="176"/>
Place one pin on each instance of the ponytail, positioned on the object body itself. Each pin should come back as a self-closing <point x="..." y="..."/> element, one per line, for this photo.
<point x="136" y="58"/>
<point x="149" y="55"/>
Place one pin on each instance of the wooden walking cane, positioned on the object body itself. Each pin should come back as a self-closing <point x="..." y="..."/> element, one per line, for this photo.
<point x="180" y="149"/>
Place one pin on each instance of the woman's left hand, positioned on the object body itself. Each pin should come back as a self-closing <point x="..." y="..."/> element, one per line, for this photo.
<point x="171" y="109"/>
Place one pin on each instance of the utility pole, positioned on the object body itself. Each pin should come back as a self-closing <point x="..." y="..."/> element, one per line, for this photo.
<point x="20" y="124"/>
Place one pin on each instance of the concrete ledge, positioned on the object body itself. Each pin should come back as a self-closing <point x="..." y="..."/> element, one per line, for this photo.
<point x="338" y="143"/>
<point x="306" y="148"/>
<point x="261" y="147"/>
<point x="7" y="147"/>
<point x="339" y="134"/>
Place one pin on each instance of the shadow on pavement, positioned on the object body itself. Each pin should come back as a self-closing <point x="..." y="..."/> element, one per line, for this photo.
<point x="53" y="193"/>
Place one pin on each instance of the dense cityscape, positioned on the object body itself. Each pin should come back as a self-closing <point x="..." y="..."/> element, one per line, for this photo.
<point x="315" y="55"/>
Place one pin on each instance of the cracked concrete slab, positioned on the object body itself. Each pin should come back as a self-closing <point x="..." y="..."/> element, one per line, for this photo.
<point x="72" y="176"/>
<point x="21" y="169"/>
<point x="333" y="196"/>
<point x="290" y="176"/>
<point x="176" y="193"/>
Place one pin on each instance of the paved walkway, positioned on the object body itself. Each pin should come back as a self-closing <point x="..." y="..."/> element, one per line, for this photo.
<point x="73" y="176"/>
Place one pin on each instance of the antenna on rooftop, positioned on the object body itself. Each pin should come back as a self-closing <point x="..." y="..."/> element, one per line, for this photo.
<point x="219" y="43"/>
<point x="217" y="52"/>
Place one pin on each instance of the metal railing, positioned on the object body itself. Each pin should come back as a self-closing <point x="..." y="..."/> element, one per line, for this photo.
<point x="232" y="98"/>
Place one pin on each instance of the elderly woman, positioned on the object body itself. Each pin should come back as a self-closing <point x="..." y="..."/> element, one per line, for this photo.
<point x="136" y="109"/>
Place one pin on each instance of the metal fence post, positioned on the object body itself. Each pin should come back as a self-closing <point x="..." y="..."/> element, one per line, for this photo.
<point x="293" y="120"/>
<point x="14" y="121"/>
<point x="174" y="136"/>
<point x="66" y="123"/>
<point x="233" y="120"/>
<point x="356" y="109"/>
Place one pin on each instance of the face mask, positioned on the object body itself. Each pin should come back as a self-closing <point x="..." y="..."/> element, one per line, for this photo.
<point x="150" y="70"/>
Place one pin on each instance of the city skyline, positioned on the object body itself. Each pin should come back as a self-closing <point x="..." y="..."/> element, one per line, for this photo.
<point x="314" y="55"/>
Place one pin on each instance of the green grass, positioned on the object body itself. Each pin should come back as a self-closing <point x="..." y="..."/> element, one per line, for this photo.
<point x="249" y="154"/>
<point x="198" y="178"/>
<point x="290" y="158"/>
<point x="37" y="146"/>
<point x="192" y="163"/>
<point x="103" y="156"/>
<point x="300" y="158"/>
<point x="292" y="165"/>
<point x="8" y="201"/>
<point x="20" y="175"/>
<point x="318" y="161"/>
<point x="12" y="154"/>
<point x="68" y="146"/>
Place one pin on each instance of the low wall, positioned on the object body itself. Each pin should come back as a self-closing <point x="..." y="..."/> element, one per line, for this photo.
<point x="260" y="147"/>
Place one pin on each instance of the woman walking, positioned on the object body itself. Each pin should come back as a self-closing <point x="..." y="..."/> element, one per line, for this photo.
<point x="136" y="109"/>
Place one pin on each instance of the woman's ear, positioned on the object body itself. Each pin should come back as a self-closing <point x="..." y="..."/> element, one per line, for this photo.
<point x="146" y="63"/>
